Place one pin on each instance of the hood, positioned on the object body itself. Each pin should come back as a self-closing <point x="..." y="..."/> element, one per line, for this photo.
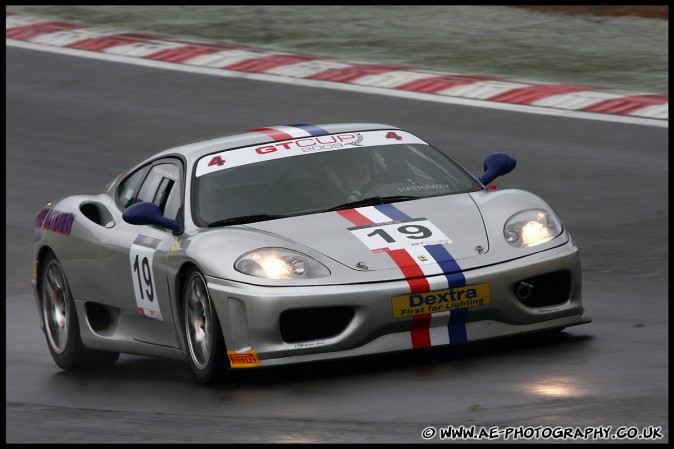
<point x="433" y="230"/>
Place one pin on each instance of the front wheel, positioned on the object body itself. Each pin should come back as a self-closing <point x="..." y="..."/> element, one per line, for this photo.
<point x="61" y="325"/>
<point x="205" y="343"/>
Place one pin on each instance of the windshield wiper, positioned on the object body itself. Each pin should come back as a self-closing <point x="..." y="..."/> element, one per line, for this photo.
<point x="244" y="219"/>
<point x="373" y="201"/>
<point x="360" y="203"/>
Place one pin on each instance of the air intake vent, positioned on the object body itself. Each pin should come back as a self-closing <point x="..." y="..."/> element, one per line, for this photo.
<point x="545" y="290"/>
<point x="314" y="324"/>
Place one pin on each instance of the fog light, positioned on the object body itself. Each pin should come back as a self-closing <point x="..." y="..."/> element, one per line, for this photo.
<point x="524" y="290"/>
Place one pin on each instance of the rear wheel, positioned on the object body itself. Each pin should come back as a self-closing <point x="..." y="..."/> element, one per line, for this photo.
<point x="205" y="343"/>
<point x="61" y="325"/>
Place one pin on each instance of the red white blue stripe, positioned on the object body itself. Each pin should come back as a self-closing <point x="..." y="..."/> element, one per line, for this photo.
<point x="289" y="132"/>
<point x="426" y="268"/>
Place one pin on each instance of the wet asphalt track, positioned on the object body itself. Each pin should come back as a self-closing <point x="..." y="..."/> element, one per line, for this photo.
<point x="73" y="124"/>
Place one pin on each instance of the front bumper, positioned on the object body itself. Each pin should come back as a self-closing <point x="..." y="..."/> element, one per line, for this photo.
<point x="250" y="315"/>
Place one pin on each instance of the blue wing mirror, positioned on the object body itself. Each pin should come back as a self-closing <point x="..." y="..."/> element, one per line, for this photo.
<point x="495" y="165"/>
<point x="147" y="213"/>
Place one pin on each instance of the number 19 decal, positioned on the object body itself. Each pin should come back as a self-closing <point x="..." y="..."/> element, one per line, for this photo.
<point x="144" y="288"/>
<point x="400" y="234"/>
<point x="146" y="283"/>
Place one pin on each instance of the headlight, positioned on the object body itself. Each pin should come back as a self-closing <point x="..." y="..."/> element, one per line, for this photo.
<point x="531" y="227"/>
<point x="280" y="263"/>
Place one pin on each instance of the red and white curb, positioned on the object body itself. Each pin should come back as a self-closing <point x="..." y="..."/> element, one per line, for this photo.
<point x="472" y="89"/>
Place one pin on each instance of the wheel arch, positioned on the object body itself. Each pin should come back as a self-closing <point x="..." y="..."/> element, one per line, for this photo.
<point x="217" y="364"/>
<point x="42" y="255"/>
<point x="180" y="279"/>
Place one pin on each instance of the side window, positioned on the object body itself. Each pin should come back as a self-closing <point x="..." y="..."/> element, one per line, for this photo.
<point x="162" y="187"/>
<point x="128" y="189"/>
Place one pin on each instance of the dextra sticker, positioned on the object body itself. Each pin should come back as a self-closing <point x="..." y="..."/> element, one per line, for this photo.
<point x="440" y="300"/>
<point x="301" y="146"/>
<point x="399" y="234"/>
<point x="141" y="257"/>
<point x="247" y="359"/>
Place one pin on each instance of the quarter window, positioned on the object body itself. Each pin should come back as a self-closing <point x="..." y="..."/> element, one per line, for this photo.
<point x="159" y="184"/>
<point x="128" y="189"/>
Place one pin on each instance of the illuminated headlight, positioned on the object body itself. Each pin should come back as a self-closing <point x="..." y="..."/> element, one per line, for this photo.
<point x="279" y="263"/>
<point x="531" y="227"/>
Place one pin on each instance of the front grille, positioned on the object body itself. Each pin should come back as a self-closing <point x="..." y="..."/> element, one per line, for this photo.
<point x="544" y="290"/>
<point x="314" y="324"/>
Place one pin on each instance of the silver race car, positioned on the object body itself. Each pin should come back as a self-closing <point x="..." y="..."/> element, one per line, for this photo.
<point x="298" y="243"/>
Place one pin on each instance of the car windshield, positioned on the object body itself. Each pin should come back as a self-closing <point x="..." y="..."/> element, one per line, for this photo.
<point x="320" y="181"/>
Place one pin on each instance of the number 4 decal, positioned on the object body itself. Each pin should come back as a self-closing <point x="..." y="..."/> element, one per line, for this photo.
<point x="217" y="160"/>
<point x="144" y="288"/>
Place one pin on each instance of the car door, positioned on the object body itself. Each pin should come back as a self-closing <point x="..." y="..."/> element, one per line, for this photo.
<point x="135" y="263"/>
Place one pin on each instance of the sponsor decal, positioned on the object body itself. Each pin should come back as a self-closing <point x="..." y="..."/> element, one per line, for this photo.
<point x="440" y="300"/>
<point x="150" y="313"/>
<point x="312" y="144"/>
<point x="309" y="344"/>
<point x="54" y="221"/>
<point x="297" y="145"/>
<point x="424" y="187"/>
<point x="243" y="359"/>
<point x="175" y="245"/>
<point x="148" y="242"/>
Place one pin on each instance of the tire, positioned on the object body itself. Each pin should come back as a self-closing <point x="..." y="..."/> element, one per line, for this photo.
<point x="206" y="348"/>
<point x="61" y="325"/>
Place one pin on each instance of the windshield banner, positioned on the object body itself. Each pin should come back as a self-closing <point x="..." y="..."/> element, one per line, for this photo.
<point x="299" y="147"/>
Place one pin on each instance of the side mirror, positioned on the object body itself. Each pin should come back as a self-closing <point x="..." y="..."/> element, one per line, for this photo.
<point x="147" y="213"/>
<point x="495" y="165"/>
